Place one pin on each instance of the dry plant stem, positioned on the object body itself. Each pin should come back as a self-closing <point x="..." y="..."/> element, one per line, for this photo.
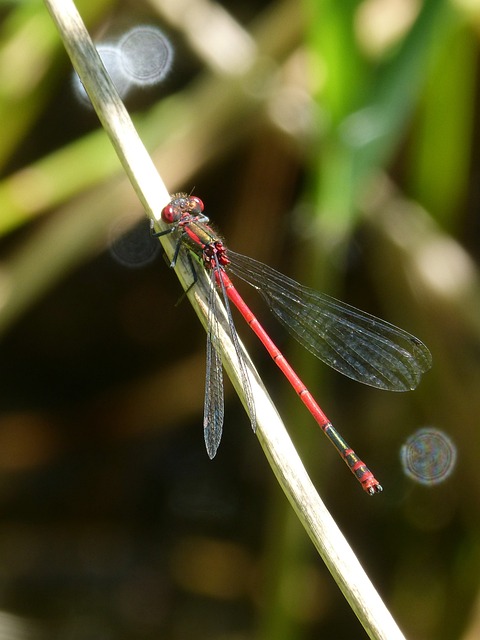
<point x="271" y="432"/>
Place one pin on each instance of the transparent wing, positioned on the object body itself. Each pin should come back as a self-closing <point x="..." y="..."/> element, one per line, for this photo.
<point x="241" y="361"/>
<point x="353" y="342"/>
<point x="213" y="410"/>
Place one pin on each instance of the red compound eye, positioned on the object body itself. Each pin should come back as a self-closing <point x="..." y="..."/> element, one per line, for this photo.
<point x="197" y="204"/>
<point x="170" y="214"/>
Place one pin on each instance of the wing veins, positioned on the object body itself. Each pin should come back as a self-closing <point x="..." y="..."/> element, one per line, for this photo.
<point x="353" y="342"/>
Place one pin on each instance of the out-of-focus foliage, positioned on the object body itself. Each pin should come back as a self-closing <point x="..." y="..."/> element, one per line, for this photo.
<point x="338" y="142"/>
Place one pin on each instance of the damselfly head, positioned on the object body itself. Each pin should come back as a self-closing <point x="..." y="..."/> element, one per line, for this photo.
<point x="181" y="206"/>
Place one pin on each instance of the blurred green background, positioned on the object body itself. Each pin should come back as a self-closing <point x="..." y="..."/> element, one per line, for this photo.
<point x="336" y="141"/>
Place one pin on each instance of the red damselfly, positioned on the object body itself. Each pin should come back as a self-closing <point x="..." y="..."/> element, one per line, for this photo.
<point x="353" y="342"/>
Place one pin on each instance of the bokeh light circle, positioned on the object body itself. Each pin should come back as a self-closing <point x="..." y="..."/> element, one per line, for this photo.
<point x="146" y="55"/>
<point x="428" y="456"/>
<point x="132" y="246"/>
